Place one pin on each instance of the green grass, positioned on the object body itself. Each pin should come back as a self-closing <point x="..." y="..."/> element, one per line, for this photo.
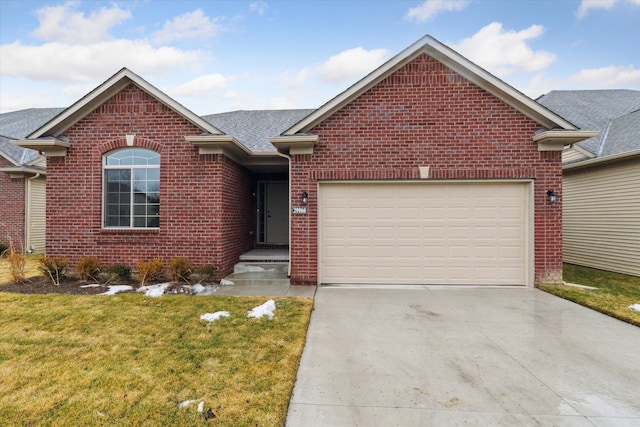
<point x="69" y="360"/>
<point x="615" y="293"/>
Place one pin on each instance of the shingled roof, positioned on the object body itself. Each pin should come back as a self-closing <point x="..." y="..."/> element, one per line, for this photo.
<point x="253" y="128"/>
<point x="17" y="125"/>
<point x="615" y="113"/>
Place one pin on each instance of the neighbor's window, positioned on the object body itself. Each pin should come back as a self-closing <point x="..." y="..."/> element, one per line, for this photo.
<point x="132" y="188"/>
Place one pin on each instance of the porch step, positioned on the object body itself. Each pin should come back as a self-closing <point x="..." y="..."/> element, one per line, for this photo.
<point x="266" y="255"/>
<point x="262" y="267"/>
<point x="268" y="274"/>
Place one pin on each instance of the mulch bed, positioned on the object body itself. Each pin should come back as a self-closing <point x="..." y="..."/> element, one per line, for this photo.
<point x="43" y="285"/>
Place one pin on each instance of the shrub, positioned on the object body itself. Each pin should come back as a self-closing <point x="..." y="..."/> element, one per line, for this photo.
<point x="17" y="262"/>
<point x="55" y="267"/>
<point x="88" y="267"/>
<point x="4" y="249"/>
<point x="207" y="273"/>
<point x="180" y="269"/>
<point x="149" y="270"/>
<point x="120" y="272"/>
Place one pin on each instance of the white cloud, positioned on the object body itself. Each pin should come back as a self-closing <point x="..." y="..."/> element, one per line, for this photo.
<point x="79" y="63"/>
<point x="586" y="5"/>
<point x="430" y="8"/>
<point x="539" y="84"/>
<point x="346" y="66"/>
<point x="259" y="7"/>
<point x="204" y="84"/>
<point x="505" y="52"/>
<point x="66" y="25"/>
<point x="192" y="25"/>
<point x="609" y="77"/>
<point x="351" y="63"/>
<point x="27" y="97"/>
<point x="293" y="78"/>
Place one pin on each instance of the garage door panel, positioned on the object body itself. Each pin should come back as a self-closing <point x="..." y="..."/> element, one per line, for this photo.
<point x="441" y="233"/>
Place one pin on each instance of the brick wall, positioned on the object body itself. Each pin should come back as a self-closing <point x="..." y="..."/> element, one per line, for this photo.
<point x="427" y="115"/>
<point x="12" y="207"/>
<point x="193" y="190"/>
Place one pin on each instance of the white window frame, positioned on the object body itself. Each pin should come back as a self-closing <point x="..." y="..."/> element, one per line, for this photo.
<point x="131" y="168"/>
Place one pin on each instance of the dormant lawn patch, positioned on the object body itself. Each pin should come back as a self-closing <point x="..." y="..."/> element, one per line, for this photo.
<point x="616" y="294"/>
<point x="129" y="359"/>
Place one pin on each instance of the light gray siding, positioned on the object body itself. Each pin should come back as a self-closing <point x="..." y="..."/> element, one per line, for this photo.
<point x="574" y="154"/>
<point x="36" y="215"/>
<point x="601" y="217"/>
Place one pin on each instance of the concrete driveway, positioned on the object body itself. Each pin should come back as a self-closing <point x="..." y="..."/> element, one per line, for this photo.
<point x="464" y="356"/>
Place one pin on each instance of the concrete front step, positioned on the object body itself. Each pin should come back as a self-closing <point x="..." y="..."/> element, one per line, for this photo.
<point x="261" y="267"/>
<point x="267" y="274"/>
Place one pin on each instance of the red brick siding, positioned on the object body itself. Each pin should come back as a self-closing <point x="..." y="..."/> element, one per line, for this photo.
<point x="192" y="189"/>
<point x="427" y="115"/>
<point x="12" y="207"/>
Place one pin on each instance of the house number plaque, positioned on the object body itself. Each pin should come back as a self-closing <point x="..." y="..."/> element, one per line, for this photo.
<point x="299" y="210"/>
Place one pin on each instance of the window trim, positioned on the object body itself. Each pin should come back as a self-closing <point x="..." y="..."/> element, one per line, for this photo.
<point x="130" y="168"/>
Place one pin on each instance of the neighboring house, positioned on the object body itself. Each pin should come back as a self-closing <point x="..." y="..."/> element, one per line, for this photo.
<point x="22" y="181"/>
<point x="601" y="202"/>
<point x="428" y="170"/>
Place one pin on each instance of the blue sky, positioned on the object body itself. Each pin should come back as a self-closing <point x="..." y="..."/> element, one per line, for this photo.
<point x="215" y="56"/>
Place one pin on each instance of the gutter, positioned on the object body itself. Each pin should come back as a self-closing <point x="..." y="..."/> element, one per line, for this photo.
<point x="601" y="160"/>
<point x="289" y="213"/>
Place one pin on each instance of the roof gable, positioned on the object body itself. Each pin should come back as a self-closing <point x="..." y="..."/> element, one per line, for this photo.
<point x="441" y="53"/>
<point x="59" y="124"/>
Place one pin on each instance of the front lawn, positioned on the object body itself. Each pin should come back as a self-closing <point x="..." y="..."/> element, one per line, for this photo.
<point x="615" y="293"/>
<point x="128" y="359"/>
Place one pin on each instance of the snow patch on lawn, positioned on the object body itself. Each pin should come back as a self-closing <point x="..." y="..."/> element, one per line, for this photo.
<point x="186" y="403"/>
<point x="93" y="285"/>
<point x="635" y="307"/>
<point x="154" y="290"/>
<point x="265" y="309"/>
<point x="212" y="317"/>
<point x="114" y="289"/>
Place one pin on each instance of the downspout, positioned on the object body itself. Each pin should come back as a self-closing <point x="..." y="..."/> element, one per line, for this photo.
<point x="27" y="212"/>
<point x="289" y="166"/>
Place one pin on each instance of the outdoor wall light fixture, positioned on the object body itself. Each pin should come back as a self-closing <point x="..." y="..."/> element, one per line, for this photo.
<point x="553" y="198"/>
<point x="305" y="197"/>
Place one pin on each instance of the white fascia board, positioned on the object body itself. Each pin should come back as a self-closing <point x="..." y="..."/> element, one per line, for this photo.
<point x="556" y="140"/>
<point x="220" y="144"/>
<point x="106" y="90"/>
<point x="50" y="147"/>
<point x="432" y="47"/>
<point x="22" y="171"/>
<point x="295" y="144"/>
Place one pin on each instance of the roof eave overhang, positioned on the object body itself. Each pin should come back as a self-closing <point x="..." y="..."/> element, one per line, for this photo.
<point x="556" y="140"/>
<point x="22" y="171"/>
<point x="49" y="147"/>
<point x="432" y="47"/>
<point x="220" y="144"/>
<point x="295" y="144"/>
<point x="602" y="160"/>
<point x="83" y="107"/>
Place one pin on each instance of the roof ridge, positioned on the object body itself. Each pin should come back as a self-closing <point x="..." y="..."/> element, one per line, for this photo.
<point x="603" y="139"/>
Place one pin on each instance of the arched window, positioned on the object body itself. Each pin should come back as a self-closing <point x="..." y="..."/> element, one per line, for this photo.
<point x="131" y="189"/>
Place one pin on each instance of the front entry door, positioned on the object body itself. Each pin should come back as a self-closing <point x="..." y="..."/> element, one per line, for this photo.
<point x="273" y="221"/>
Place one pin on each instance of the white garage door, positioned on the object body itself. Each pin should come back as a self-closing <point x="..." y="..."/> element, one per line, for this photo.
<point x="423" y="233"/>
